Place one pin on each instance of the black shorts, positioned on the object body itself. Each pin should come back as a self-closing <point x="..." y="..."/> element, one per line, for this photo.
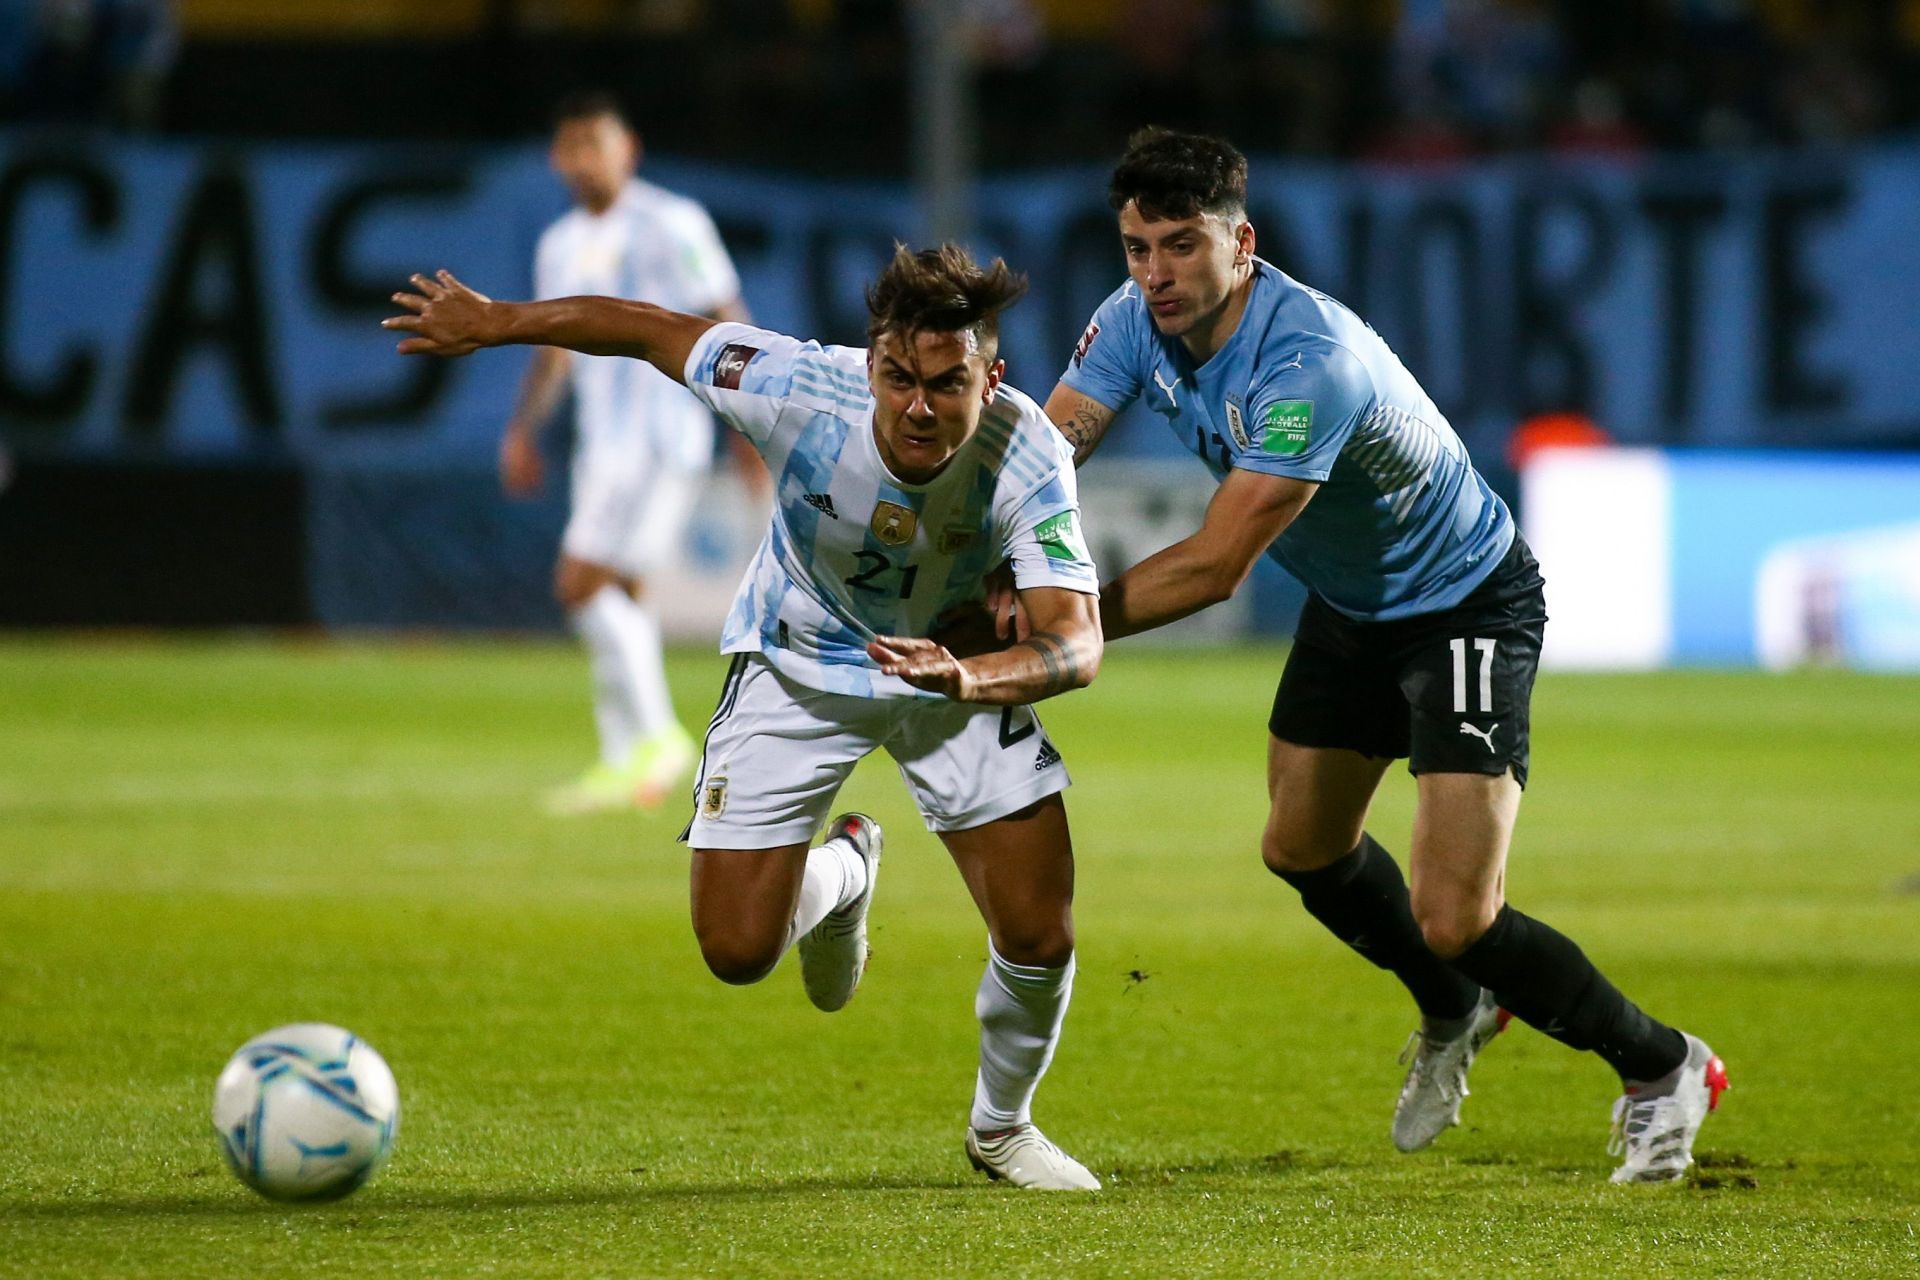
<point x="1450" y="689"/>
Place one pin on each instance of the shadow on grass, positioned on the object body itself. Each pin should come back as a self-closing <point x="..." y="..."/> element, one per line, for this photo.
<point x="397" y="1201"/>
<point x="1276" y="1162"/>
<point x="388" y="1201"/>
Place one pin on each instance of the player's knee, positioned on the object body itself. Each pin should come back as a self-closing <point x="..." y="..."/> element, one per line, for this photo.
<point x="737" y="960"/>
<point x="1285" y="854"/>
<point x="1450" y="929"/>
<point x="1037" y="946"/>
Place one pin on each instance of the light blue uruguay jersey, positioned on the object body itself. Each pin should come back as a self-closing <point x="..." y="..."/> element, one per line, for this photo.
<point x="853" y="551"/>
<point x="1401" y="525"/>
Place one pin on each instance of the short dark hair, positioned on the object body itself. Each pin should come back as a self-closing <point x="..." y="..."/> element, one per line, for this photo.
<point x="1170" y="176"/>
<point x="589" y="104"/>
<point x="942" y="291"/>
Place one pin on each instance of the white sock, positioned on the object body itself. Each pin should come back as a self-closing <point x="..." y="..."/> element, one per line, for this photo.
<point x="1020" y="1008"/>
<point x="836" y="874"/>
<point x="629" y="686"/>
<point x="654" y="703"/>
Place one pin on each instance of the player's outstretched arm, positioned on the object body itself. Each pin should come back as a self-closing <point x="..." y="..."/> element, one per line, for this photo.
<point x="1247" y="513"/>
<point x="1081" y="419"/>
<point x="1061" y="653"/>
<point x="446" y="318"/>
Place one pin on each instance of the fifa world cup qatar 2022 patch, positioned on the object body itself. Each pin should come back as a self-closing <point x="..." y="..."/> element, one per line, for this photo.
<point x="731" y="363"/>
<point x="1237" y="425"/>
<point x="1085" y="344"/>
<point x="1287" y="427"/>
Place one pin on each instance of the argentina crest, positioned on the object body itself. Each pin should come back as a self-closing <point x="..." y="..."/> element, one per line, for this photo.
<point x="713" y="797"/>
<point x="893" y="524"/>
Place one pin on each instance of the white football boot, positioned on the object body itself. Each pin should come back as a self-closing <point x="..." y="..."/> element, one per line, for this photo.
<point x="1656" y="1121"/>
<point x="1023" y="1156"/>
<point x="833" y="954"/>
<point x="1436" y="1083"/>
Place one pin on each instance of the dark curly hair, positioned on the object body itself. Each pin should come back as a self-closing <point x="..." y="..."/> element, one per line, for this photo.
<point x="942" y="291"/>
<point x="589" y="104"/>
<point x="1170" y="176"/>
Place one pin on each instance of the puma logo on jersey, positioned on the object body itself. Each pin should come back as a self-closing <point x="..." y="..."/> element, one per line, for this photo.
<point x="1167" y="387"/>
<point x="1291" y="364"/>
<point x="1485" y="735"/>
<point x="821" y="502"/>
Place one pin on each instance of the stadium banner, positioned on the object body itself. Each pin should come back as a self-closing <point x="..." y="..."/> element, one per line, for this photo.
<point x="197" y="299"/>
<point x="199" y="303"/>
<point x="1727" y="558"/>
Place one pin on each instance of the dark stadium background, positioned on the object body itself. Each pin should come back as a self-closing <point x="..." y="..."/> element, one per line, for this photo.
<point x="1684" y="222"/>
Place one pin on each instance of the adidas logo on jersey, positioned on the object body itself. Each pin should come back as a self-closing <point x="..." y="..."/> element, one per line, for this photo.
<point x="821" y="502"/>
<point x="1047" y="758"/>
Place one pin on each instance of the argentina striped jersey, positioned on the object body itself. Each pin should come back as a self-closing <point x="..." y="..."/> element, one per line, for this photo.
<point x="653" y="246"/>
<point x="854" y="551"/>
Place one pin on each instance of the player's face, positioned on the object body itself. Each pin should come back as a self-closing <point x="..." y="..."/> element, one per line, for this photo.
<point x="594" y="156"/>
<point x="1185" y="268"/>
<point x="928" y="393"/>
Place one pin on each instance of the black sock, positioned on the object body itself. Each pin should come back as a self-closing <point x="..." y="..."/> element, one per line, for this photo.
<point x="1543" y="978"/>
<point x="1362" y="900"/>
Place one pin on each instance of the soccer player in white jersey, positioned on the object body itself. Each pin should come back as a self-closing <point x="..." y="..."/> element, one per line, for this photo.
<point x="905" y="472"/>
<point x="1420" y="637"/>
<point x="642" y="444"/>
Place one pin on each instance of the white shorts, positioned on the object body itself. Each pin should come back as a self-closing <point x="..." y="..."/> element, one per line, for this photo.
<point x="777" y="753"/>
<point x="628" y="516"/>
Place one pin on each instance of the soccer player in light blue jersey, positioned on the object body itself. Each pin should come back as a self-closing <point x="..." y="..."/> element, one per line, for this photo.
<point x="1420" y="637"/>
<point x="904" y="472"/>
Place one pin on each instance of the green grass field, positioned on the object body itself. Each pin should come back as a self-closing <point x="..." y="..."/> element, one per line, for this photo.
<point x="201" y="840"/>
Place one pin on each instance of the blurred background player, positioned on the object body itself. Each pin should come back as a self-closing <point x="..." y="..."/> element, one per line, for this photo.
<point x="642" y="444"/>
<point x="909" y="470"/>
<point x="1420" y="637"/>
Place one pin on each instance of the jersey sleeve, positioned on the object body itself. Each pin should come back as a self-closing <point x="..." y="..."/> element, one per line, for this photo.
<point x="549" y="276"/>
<point x="1106" y="364"/>
<point x="745" y="375"/>
<point x="1302" y="414"/>
<point x="1043" y="535"/>
<point x="706" y="272"/>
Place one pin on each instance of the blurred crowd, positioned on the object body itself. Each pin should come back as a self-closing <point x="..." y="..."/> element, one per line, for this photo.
<point x="1415" y="81"/>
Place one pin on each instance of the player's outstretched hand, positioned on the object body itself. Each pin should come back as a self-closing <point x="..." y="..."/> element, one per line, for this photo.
<point x="924" y="664"/>
<point x="445" y="317"/>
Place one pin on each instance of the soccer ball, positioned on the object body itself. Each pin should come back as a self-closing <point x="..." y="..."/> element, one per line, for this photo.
<point x="306" y="1112"/>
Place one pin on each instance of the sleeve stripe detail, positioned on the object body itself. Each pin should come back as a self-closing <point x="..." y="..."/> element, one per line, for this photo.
<point x="803" y="381"/>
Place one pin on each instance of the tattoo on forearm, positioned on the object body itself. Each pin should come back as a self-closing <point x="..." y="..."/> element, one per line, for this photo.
<point x="1084" y="431"/>
<point x="1063" y="666"/>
